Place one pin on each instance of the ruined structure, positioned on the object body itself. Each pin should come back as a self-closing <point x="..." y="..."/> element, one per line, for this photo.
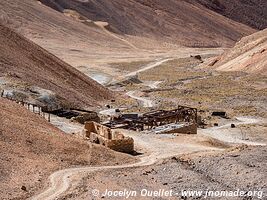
<point x="180" y="120"/>
<point x="77" y="115"/>
<point x="103" y="135"/>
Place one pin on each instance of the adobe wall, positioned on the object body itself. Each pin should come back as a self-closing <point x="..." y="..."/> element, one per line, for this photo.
<point x="123" y="145"/>
<point x="102" y="135"/>
<point x="98" y="129"/>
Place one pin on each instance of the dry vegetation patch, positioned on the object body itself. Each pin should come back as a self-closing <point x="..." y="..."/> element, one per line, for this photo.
<point x="236" y="92"/>
<point x="129" y="66"/>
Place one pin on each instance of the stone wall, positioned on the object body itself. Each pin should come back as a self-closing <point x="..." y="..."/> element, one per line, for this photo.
<point x="125" y="145"/>
<point x="102" y="135"/>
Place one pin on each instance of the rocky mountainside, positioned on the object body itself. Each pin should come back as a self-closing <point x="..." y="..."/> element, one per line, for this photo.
<point x="31" y="70"/>
<point x="248" y="55"/>
<point x="183" y="22"/>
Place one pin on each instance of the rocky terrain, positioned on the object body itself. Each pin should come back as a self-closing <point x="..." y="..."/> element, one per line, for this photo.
<point x="248" y="55"/>
<point x="31" y="148"/>
<point x="238" y="167"/>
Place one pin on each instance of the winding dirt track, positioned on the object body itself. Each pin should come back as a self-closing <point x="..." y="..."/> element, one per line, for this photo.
<point x="62" y="180"/>
<point x="149" y="66"/>
<point x="147" y="103"/>
<point x="157" y="149"/>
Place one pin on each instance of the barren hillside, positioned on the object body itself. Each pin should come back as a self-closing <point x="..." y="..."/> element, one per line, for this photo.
<point x="74" y="42"/>
<point x="31" y="149"/>
<point x="128" y="30"/>
<point x="250" y="12"/>
<point x="248" y="55"/>
<point x="182" y="22"/>
<point x="30" y="69"/>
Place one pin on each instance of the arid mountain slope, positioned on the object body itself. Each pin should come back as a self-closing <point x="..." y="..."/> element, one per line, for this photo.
<point x="24" y="62"/>
<point x="181" y="22"/>
<point x="176" y="22"/>
<point x="31" y="149"/>
<point x="248" y="55"/>
<point x="250" y="12"/>
<point x="74" y="42"/>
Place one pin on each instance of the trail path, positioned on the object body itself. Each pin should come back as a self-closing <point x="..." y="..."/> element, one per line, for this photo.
<point x="149" y="66"/>
<point x="66" y="125"/>
<point x="147" y="103"/>
<point x="153" y="84"/>
<point x="62" y="123"/>
<point x="156" y="149"/>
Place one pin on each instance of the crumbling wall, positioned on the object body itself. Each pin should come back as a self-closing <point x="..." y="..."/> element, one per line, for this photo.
<point x="102" y="135"/>
<point x="125" y="145"/>
<point x="93" y="127"/>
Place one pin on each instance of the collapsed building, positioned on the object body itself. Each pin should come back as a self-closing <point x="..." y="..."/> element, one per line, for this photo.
<point x="181" y="120"/>
<point x="103" y="135"/>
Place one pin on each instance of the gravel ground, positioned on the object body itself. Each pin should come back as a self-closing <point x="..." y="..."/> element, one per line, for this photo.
<point x="234" y="169"/>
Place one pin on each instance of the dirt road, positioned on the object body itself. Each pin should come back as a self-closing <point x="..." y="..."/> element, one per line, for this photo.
<point x="147" y="103"/>
<point x="66" y="125"/>
<point x="149" y="66"/>
<point x="237" y="136"/>
<point x="153" y="84"/>
<point x="156" y="147"/>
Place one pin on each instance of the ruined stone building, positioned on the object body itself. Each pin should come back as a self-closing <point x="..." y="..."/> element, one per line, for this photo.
<point x="103" y="135"/>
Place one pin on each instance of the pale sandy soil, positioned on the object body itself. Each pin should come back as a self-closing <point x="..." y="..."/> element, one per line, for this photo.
<point x="154" y="148"/>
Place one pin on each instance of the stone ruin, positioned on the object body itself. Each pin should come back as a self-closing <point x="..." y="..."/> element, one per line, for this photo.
<point x="103" y="135"/>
